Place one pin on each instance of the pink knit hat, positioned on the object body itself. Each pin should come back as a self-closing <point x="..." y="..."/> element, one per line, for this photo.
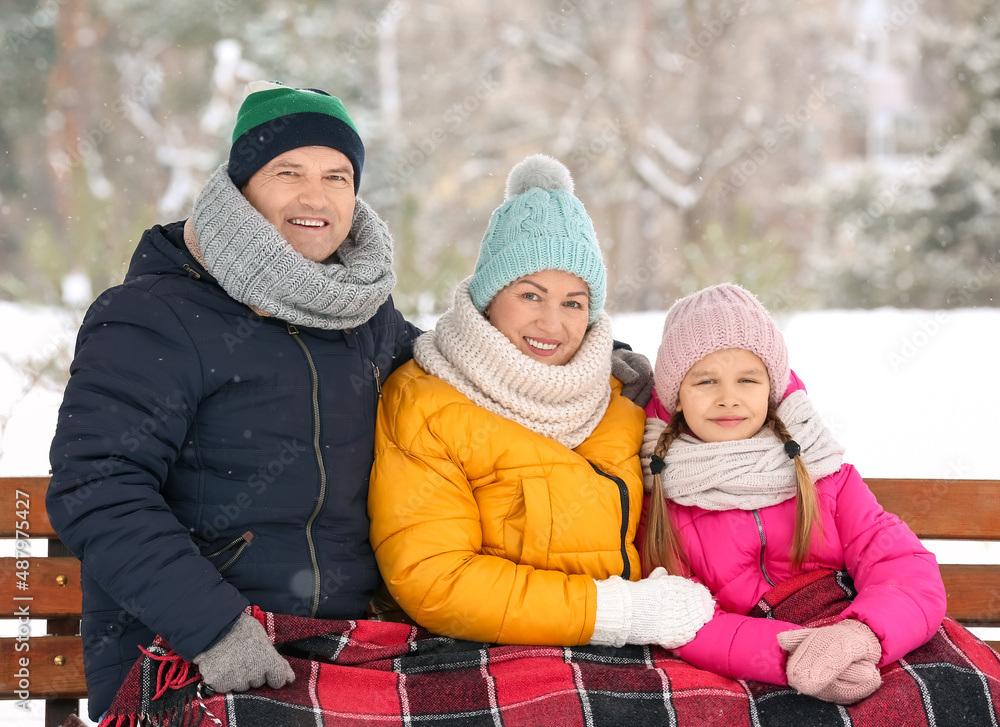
<point x="716" y="318"/>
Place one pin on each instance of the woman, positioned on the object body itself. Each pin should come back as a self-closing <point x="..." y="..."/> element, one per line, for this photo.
<point x="506" y="489"/>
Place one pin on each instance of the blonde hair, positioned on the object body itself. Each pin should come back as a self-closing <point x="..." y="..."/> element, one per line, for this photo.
<point x="661" y="545"/>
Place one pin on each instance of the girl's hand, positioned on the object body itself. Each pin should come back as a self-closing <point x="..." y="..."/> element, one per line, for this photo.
<point x="834" y="663"/>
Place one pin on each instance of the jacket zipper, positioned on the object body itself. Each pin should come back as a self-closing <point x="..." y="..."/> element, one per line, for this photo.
<point x="378" y="383"/>
<point x="763" y="543"/>
<point x="243" y="541"/>
<point x="623" y="495"/>
<point x="322" y="469"/>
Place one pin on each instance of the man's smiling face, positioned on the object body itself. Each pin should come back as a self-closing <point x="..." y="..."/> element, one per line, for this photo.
<point x="308" y="194"/>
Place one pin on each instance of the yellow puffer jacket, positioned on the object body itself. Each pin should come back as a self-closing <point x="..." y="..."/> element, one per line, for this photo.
<point x="485" y="530"/>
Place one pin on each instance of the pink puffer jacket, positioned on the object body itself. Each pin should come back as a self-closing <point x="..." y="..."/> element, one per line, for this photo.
<point x="740" y="554"/>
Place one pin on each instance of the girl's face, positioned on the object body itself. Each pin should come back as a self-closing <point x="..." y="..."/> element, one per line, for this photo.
<point x="544" y="314"/>
<point x="724" y="396"/>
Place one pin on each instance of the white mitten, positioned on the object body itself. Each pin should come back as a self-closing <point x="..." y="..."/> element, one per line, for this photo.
<point x="661" y="609"/>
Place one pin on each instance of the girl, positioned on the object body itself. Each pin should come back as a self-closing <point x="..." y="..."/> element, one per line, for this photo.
<point x="748" y="489"/>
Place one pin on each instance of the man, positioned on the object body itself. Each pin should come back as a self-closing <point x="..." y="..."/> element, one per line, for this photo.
<point x="215" y="440"/>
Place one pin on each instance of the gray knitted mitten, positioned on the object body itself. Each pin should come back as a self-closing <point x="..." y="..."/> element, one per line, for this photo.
<point x="636" y="374"/>
<point x="243" y="659"/>
<point x="661" y="609"/>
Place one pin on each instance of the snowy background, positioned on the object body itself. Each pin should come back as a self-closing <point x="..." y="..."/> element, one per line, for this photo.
<point x="910" y="393"/>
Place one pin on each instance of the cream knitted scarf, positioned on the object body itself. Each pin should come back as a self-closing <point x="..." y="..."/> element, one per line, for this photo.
<point x="564" y="403"/>
<point x="749" y="473"/>
<point x="256" y="266"/>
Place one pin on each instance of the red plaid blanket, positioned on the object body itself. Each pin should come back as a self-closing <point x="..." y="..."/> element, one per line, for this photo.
<point x="370" y="672"/>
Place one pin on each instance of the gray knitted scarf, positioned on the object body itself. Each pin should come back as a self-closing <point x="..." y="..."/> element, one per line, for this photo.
<point x="256" y="266"/>
<point x="564" y="403"/>
<point x="749" y="473"/>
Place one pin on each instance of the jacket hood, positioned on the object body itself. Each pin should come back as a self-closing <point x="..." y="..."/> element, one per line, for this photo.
<point x="161" y="251"/>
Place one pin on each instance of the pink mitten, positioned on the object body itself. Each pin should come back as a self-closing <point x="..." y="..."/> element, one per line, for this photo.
<point x="853" y="684"/>
<point x="834" y="663"/>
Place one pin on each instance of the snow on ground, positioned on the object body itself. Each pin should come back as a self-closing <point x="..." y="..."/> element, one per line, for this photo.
<point x="910" y="393"/>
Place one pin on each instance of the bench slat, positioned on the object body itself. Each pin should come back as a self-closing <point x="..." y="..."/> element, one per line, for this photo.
<point x="944" y="509"/>
<point x="973" y="593"/>
<point x="38" y="519"/>
<point x="48" y="598"/>
<point x="47" y="680"/>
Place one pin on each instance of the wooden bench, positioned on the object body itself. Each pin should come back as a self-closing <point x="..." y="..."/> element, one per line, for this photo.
<point x="52" y="583"/>
<point x="940" y="509"/>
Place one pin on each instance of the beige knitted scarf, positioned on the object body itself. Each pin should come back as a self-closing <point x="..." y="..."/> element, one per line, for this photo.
<point x="749" y="473"/>
<point x="564" y="403"/>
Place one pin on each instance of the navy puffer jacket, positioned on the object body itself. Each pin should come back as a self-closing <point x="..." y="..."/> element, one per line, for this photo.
<point x="207" y="457"/>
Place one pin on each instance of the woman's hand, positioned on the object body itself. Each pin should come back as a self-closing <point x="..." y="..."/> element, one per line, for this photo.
<point x="661" y="609"/>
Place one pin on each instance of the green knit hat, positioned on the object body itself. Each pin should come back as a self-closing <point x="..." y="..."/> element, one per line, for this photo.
<point x="274" y="119"/>
<point x="540" y="226"/>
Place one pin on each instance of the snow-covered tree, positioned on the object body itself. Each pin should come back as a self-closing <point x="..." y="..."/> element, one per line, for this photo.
<point x="923" y="228"/>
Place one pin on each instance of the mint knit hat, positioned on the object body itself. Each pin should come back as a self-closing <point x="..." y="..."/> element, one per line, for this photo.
<point x="274" y="119"/>
<point x="540" y="226"/>
<point x="713" y="319"/>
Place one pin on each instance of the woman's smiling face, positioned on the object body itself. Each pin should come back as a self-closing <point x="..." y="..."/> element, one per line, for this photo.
<point x="544" y="314"/>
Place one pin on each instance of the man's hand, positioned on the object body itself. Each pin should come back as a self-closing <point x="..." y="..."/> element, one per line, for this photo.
<point x="636" y="374"/>
<point x="243" y="659"/>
